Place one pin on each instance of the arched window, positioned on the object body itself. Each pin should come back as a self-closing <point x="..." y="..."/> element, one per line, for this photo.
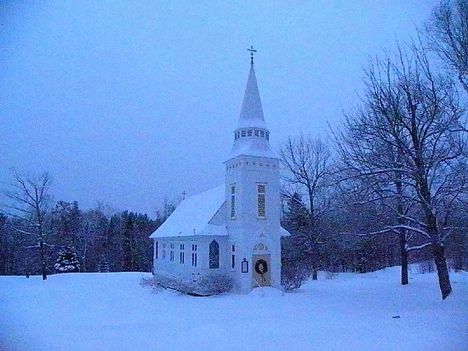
<point x="214" y="254"/>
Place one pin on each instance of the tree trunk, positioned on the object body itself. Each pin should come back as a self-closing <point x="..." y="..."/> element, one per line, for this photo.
<point x="402" y="234"/>
<point x="404" y="258"/>
<point x="314" y="274"/>
<point x="43" y="263"/>
<point x="442" y="270"/>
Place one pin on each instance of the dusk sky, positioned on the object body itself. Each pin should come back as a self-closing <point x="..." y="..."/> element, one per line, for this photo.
<point x="131" y="102"/>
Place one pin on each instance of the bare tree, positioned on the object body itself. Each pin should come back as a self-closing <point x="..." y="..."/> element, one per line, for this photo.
<point x="447" y="33"/>
<point x="308" y="163"/>
<point x="30" y="204"/>
<point x="409" y="134"/>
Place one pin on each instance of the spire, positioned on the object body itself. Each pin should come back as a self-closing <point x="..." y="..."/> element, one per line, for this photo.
<point x="251" y="138"/>
<point x="251" y="113"/>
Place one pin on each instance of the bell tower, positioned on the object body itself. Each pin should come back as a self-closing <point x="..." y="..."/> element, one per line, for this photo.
<point x="252" y="196"/>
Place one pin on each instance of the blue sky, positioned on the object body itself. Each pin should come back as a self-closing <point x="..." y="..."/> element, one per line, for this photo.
<point x="131" y="102"/>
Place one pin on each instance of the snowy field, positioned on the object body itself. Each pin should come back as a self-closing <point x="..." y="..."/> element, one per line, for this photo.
<point x="349" y="312"/>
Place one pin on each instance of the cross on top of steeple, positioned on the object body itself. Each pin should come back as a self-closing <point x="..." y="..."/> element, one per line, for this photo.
<point x="251" y="50"/>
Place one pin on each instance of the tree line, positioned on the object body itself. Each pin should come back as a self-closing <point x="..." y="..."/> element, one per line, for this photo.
<point x="37" y="234"/>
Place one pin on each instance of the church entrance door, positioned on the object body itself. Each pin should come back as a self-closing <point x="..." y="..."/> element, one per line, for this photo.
<point x="261" y="270"/>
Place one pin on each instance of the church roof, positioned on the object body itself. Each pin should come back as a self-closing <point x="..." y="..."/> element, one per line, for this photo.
<point x="252" y="112"/>
<point x="197" y="215"/>
<point x="193" y="216"/>
<point x="252" y="147"/>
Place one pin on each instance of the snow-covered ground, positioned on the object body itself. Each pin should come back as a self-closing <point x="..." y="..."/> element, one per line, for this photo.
<point x="349" y="312"/>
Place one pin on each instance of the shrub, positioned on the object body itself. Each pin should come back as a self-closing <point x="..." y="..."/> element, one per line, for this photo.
<point x="293" y="275"/>
<point x="212" y="284"/>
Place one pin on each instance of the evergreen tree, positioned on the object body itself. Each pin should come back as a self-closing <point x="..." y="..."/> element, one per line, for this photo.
<point x="295" y="266"/>
<point x="67" y="261"/>
<point x="128" y="241"/>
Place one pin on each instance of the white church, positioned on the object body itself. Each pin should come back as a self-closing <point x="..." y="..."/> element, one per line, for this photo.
<point x="234" y="228"/>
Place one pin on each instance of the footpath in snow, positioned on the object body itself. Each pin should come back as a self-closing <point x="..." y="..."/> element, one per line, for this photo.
<point x="111" y="311"/>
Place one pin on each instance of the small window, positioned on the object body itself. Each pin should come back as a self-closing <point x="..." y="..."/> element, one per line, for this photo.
<point x="182" y="254"/>
<point x="194" y="255"/>
<point x="214" y="254"/>
<point x="256" y="132"/>
<point x="171" y="257"/>
<point x="243" y="133"/>
<point x="156" y="247"/>
<point x="164" y="251"/>
<point x="261" y="200"/>
<point x="233" y="256"/>
<point x="268" y="135"/>
<point x="249" y="132"/>
<point x="233" y="201"/>
<point x="262" y="133"/>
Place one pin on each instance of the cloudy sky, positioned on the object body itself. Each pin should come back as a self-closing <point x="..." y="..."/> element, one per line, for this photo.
<point x="131" y="102"/>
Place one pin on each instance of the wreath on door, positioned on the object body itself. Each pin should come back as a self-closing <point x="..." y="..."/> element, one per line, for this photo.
<point x="261" y="267"/>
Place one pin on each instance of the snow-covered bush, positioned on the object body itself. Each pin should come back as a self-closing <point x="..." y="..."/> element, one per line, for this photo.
<point x="67" y="261"/>
<point x="215" y="283"/>
<point x="211" y="284"/>
<point x="150" y="282"/>
<point x="330" y="275"/>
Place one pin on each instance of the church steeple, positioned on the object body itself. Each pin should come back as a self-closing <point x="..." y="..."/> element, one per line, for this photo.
<point x="252" y="112"/>
<point x="252" y="135"/>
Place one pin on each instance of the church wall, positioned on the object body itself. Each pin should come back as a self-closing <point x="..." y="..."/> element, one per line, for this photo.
<point x="186" y="270"/>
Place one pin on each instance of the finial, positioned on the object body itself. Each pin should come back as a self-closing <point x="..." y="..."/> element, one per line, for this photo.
<point x="252" y="50"/>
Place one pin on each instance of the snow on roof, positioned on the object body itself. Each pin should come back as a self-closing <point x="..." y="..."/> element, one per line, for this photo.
<point x="252" y="147"/>
<point x="193" y="215"/>
<point x="284" y="232"/>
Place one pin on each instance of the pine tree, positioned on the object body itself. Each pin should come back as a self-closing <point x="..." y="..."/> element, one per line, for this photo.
<point x="67" y="261"/>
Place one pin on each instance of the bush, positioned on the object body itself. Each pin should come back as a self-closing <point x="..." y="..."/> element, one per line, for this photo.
<point x="293" y="275"/>
<point x="207" y="285"/>
<point x="213" y="284"/>
<point x="150" y="282"/>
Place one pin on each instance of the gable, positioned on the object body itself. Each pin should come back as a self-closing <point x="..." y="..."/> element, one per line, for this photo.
<point x="197" y="215"/>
